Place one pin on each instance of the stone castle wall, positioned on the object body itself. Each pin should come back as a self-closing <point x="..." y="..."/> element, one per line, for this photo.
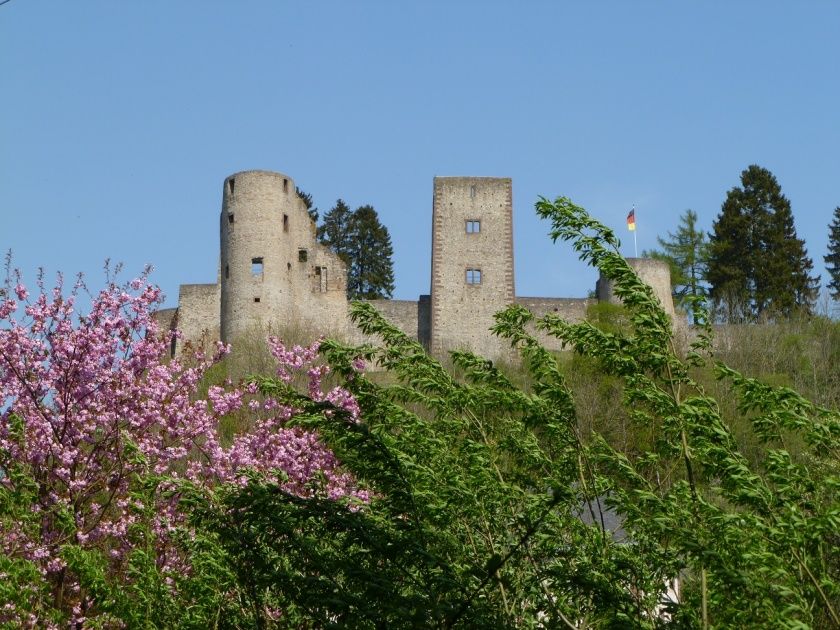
<point x="572" y="310"/>
<point x="274" y="275"/>
<point x="472" y="262"/>
<point x="274" y="271"/>
<point x="654" y="273"/>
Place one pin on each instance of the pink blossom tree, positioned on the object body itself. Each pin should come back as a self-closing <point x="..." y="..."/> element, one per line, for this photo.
<point x="90" y="408"/>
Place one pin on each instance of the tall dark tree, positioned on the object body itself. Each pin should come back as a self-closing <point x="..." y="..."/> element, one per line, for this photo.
<point x="335" y="231"/>
<point x="686" y="252"/>
<point x="364" y="244"/>
<point x="371" y="272"/>
<point x="310" y="205"/>
<point x="757" y="266"/>
<point x="832" y="260"/>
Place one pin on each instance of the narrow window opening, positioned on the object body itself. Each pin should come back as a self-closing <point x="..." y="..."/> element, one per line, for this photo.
<point x="227" y="272"/>
<point x="473" y="226"/>
<point x="257" y="300"/>
<point x="285" y="185"/>
<point x="230" y="186"/>
<point x="473" y="276"/>
<point x="257" y="267"/>
<point x="317" y="271"/>
<point x="303" y="255"/>
<point x="173" y="344"/>
<point x="472" y="192"/>
<point x="288" y="266"/>
<point x="230" y="218"/>
<point x="285" y="222"/>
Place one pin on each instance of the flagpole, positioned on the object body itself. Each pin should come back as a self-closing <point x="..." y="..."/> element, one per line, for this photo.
<point x="635" y="245"/>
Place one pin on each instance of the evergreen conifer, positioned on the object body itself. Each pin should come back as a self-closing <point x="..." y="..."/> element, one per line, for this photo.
<point x="685" y="252"/>
<point x="832" y="260"/>
<point x="371" y="272"/>
<point x="364" y="244"/>
<point x="757" y="266"/>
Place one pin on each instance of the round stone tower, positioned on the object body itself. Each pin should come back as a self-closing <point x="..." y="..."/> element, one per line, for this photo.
<point x="654" y="273"/>
<point x="254" y="226"/>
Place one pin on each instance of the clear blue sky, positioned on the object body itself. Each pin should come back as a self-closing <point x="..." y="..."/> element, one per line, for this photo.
<point x="119" y="121"/>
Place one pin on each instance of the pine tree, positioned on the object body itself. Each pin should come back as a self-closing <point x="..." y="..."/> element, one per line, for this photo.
<point x="686" y="253"/>
<point x="832" y="260"/>
<point x="335" y="230"/>
<point x="371" y="272"/>
<point x="364" y="245"/>
<point x="310" y="205"/>
<point x="757" y="266"/>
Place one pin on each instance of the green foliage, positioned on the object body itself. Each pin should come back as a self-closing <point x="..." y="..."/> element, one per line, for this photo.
<point x="487" y="505"/>
<point x="364" y="245"/>
<point x="371" y="273"/>
<point x="832" y="259"/>
<point x="757" y="266"/>
<point x="571" y="496"/>
<point x="309" y="203"/>
<point x="686" y="253"/>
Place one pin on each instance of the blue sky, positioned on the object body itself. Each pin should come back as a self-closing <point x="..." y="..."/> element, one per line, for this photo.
<point x="119" y="121"/>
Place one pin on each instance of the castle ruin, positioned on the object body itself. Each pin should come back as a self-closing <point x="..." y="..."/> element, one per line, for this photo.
<point x="274" y="274"/>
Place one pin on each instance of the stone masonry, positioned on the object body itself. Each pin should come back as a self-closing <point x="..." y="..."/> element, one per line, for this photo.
<point x="274" y="275"/>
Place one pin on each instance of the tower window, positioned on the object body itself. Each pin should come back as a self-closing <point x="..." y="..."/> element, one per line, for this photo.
<point x="230" y="218"/>
<point x="473" y="276"/>
<point x="473" y="226"/>
<point x="285" y="185"/>
<point x="257" y="267"/>
<point x="227" y="272"/>
<point x="230" y="186"/>
<point x="472" y="192"/>
<point x="285" y="222"/>
<point x="303" y="255"/>
<point x="257" y="300"/>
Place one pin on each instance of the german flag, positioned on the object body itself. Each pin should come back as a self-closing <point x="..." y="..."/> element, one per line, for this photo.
<point x="631" y="220"/>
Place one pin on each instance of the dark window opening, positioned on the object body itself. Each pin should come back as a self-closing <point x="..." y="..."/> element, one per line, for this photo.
<point x="230" y="185"/>
<point x="257" y="300"/>
<point x="173" y="344"/>
<point x="285" y="185"/>
<point x="289" y="266"/>
<point x="227" y="272"/>
<point x="256" y="266"/>
<point x="473" y="226"/>
<point x="303" y="255"/>
<point x="473" y="276"/>
<point x="230" y="219"/>
<point x="285" y="222"/>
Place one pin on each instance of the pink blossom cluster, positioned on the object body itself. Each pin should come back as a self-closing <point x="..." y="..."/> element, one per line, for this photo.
<point x="99" y="406"/>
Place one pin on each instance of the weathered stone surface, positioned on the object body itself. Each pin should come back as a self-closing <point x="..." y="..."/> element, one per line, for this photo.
<point x="274" y="274"/>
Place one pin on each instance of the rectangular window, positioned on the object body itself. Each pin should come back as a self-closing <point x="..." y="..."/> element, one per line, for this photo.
<point x="303" y="255"/>
<point x="473" y="276"/>
<point x="230" y="186"/>
<point x="285" y="222"/>
<point x="257" y="267"/>
<point x="257" y="300"/>
<point x="230" y="219"/>
<point x="473" y="226"/>
<point x="285" y="185"/>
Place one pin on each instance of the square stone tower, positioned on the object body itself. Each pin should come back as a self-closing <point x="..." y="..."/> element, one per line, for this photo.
<point x="472" y="262"/>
